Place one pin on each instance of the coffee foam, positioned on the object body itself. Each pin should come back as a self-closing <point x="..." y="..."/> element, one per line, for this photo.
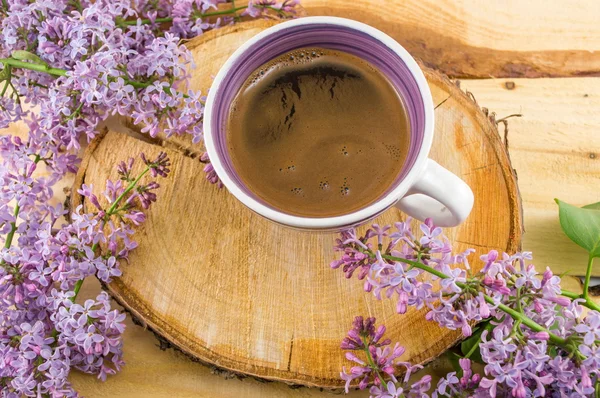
<point x="297" y="57"/>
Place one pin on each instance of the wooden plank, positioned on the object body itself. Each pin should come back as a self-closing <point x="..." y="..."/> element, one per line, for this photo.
<point x="555" y="149"/>
<point x="529" y="38"/>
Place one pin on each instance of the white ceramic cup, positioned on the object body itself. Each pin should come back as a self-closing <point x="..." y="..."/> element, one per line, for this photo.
<point x="423" y="188"/>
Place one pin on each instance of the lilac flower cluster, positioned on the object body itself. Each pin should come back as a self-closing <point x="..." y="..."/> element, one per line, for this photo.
<point x="44" y="332"/>
<point x="380" y="363"/>
<point x="77" y="62"/>
<point x="454" y="386"/>
<point x="539" y="344"/>
<point x="81" y="61"/>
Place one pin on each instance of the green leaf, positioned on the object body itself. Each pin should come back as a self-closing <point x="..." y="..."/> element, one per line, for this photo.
<point x="453" y="358"/>
<point x="581" y="225"/>
<point x="593" y="206"/>
<point x="470" y="346"/>
<point x="23" y="55"/>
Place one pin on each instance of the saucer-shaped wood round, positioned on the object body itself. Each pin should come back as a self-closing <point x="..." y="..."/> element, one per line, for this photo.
<point x="232" y="289"/>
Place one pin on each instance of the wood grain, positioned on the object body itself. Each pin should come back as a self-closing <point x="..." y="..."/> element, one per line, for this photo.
<point x="474" y="38"/>
<point x="232" y="289"/>
<point x="555" y="148"/>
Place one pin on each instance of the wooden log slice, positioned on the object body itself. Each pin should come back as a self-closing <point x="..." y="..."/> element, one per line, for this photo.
<point x="232" y="289"/>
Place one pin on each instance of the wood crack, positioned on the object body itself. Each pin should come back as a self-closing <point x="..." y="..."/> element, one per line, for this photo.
<point x="290" y="356"/>
<point x="472" y="244"/>
<point x="442" y="103"/>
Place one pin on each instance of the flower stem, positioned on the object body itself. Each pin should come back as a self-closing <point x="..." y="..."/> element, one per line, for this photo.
<point x="13" y="225"/>
<point x="236" y="17"/>
<point x="63" y="72"/>
<point x="76" y="289"/>
<point x="527" y="321"/>
<point x="6" y="85"/>
<point x="475" y="347"/>
<point x="109" y="212"/>
<point x="588" y="276"/>
<point x="131" y="185"/>
<point x="31" y="66"/>
<point x="588" y="302"/>
<point x="420" y="266"/>
<point x="514" y="314"/>
<point x="146" y="21"/>
<point x="372" y="363"/>
<point x="13" y="228"/>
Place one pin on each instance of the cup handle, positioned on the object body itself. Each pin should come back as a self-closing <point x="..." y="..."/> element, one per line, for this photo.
<point x="440" y="195"/>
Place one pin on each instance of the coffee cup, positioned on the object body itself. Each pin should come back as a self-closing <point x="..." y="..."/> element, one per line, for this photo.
<point x="422" y="189"/>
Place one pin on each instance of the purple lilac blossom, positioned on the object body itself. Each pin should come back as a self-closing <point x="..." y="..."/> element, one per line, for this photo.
<point x="377" y="363"/>
<point x="102" y="58"/>
<point x="112" y="57"/>
<point x="560" y="358"/>
<point x="44" y="332"/>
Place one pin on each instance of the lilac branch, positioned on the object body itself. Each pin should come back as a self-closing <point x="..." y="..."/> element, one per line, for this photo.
<point x="514" y="314"/>
<point x="112" y="210"/>
<point x="587" y="303"/>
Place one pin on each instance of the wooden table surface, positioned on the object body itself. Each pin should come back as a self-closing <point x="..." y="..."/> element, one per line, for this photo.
<point x="554" y="146"/>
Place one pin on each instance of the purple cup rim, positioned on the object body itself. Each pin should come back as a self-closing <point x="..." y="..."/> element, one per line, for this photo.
<point x="338" y="222"/>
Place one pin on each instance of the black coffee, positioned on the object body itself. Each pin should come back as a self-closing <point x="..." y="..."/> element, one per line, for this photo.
<point x="318" y="133"/>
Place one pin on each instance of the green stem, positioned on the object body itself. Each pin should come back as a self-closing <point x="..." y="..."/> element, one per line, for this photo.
<point x="146" y="21"/>
<point x="472" y="350"/>
<point x="527" y="322"/>
<point x="13" y="228"/>
<point x="372" y="363"/>
<point x="514" y="314"/>
<point x="588" y="302"/>
<point x="131" y="185"/>
<point x="77" y="5"/>
<point x="588" y="276"/>
<point x="519" y="307"/>
<point x="13" y="225"/>
<point x="223" y="12"/>
<point x="236" y="17"/>
<point x="126" y="207"/>
<point x="31" y="82"/>
<point x="109" y="212"/>
<point x="571" y="295"/>
<point x="76" y="112"/>
<point x="5" y="87"/>
<point x="280" y="12"/>
<point x="79" y="283"/>
<point x="31" y="66"/>
<point x="15" y="94"/>
<point x="76" y="289"/>
<point x="420" y="266"/>
<point x="62" y="72"/>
